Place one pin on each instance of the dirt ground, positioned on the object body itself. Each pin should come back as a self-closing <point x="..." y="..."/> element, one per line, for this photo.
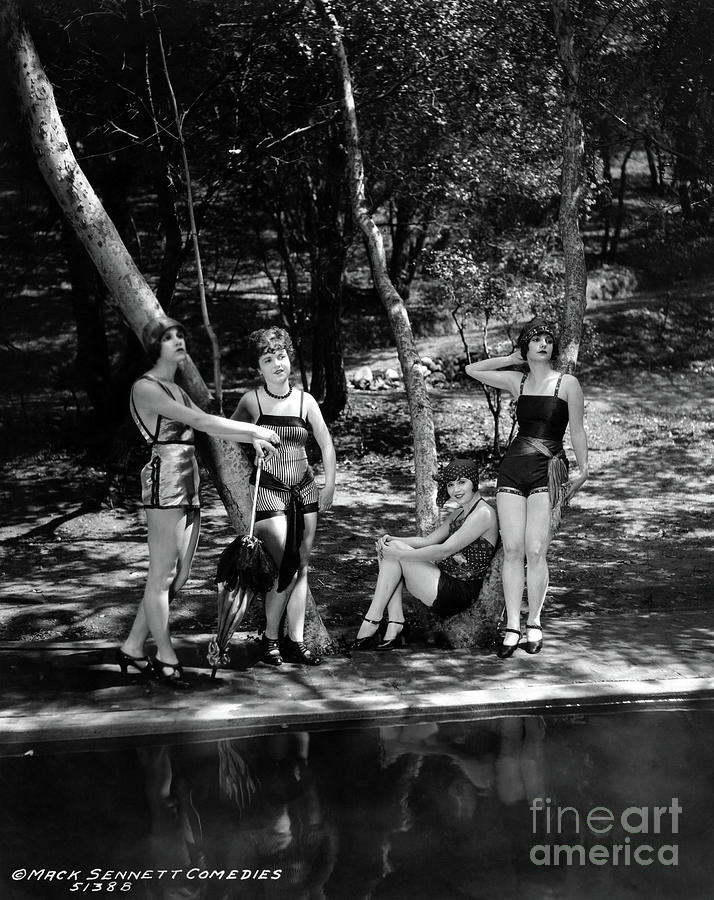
<point x="638" y="536"/>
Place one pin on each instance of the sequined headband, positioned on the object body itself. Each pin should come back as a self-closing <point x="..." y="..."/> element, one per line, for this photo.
<point x="537" y="329"/>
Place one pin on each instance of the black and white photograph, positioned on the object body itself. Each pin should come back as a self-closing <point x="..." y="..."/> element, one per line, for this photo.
<point x="357" y="449"/>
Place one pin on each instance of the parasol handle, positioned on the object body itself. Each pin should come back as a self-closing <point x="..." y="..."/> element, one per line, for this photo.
<point x="255" y="495"/>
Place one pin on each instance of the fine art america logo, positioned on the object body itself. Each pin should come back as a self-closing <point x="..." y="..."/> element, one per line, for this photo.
<point x="601" y="836"/>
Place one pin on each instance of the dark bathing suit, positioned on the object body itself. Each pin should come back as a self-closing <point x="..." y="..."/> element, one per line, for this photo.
<point x="462" y="573"/>
<point x="287" y="485"/>
<point x="542" y="420"/>
<point x="170" y="479"/>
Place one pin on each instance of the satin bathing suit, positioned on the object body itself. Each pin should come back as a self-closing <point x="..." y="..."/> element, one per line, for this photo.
<point x="170" y="479"/>
<point x="462" y="573"/>
<point x="287" y="485"/>
<point x="524" y="469"/>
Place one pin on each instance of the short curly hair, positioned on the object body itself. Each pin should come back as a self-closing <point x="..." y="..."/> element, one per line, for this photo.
<point x="533" y="328"/>
<point x="268" y="340"/>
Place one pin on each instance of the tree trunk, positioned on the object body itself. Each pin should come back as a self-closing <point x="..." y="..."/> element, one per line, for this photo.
<point x="571" y="188"/>
<point x="92" y="361"/>
<point x="125" y="284"/>
<point x="425" y="460"/>
<point x="620" y="203"/>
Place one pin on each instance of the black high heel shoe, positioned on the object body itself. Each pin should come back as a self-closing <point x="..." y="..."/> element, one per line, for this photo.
<point x="126" y="662"/>
<point x="399" y="639"/>
<point x="296" y="651"/>
<point x="175" y="678"/>
<point x="370" y="642"/>
<point x="534" y="646"/>
<point x="270" y="651"/>
<point x="506" y="650"/>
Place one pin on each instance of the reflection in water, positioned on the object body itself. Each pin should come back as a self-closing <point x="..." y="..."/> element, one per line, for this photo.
<point x="418" y="810"/>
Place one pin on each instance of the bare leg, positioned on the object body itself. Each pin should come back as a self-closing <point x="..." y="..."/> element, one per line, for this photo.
<point x="537" y="540"/>
<point x="189" y="542"/>
<point x="422" y="581"/>
<point x="167" y="541"/>
<point x="273" y="532"/>
<point x="512" y="524"/>
<point x="388" y="579"/>
<point x="295" y="610"/>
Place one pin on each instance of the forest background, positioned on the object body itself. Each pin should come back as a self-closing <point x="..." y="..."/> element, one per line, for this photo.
<point x="461" y="109"/>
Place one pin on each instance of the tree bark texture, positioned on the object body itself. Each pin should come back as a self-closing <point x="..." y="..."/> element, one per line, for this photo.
<point x="571" y="188"/>
<point x="425" y="460"/>
<point x="124" y="282"/>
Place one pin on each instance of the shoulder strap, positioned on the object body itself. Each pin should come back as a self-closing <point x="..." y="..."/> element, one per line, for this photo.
<point x="137" y="418"/>
<point x="302" y="398"/>
<point x="480" y="500"/>
<point x="557" y="387"/>
<point x="523" y="381"/>
<point x="162" y="386"/>
<point x="257" y="400"/>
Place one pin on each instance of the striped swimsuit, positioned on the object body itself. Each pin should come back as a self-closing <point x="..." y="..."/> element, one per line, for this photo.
<point x="170" y="479"/>
<point x="292" y="477"/>
<point x="287" y="486"/>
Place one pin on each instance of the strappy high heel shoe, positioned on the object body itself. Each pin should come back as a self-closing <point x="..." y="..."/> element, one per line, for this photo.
<point x="506" y="650"/>
<point x="534" y="646"/>
<point x="370" y="642"/>
<point x="126" y="662"/>
<point x="270" y="651"/>
<point x="399" y="639"/>
<point x="174" y="678"/>
<point x="296" y="651"/>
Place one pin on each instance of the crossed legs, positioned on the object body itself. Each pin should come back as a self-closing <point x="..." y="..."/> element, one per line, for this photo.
<point x="421" y="579"/>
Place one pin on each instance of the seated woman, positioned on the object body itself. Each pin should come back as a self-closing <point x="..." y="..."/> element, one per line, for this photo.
<point x="444" y="570"/>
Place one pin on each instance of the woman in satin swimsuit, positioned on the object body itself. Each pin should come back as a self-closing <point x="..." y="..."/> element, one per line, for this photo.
<point x="533" y="474"/>
<point x="166" y="418"/>
<point x="288" y="496"/>
<point x="444" y="570"/>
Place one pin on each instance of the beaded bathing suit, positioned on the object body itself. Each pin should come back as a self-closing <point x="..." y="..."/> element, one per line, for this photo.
<point x="170" y="479"/>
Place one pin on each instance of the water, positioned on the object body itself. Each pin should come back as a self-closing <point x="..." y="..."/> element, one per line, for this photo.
<point x="433" y="810"/>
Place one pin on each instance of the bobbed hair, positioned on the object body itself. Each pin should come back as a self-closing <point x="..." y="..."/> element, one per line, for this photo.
<point x="153" y="332"/>
<point x="269" y="340"/>
<point x="531" y="329"/>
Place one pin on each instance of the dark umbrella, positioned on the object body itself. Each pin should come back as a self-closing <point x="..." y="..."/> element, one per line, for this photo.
<point x="245" y="568"/>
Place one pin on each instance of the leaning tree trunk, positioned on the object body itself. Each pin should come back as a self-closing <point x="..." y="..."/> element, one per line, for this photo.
<point x="425" y="461"/>
<point x="571" y="188"/>
<point x="125" y="284"/>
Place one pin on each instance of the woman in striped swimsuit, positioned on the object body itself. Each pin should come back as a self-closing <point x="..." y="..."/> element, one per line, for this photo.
<point x="167" y="418"/>
<point x="288" y="497"/>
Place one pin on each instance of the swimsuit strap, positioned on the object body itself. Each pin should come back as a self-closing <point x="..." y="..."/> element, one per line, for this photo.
<point x="160" y="384"/>
<point x="152" y="437"/>
<point x="302" y="397"/>
<point x="480" y="499"/>
<point x="557" y="387"/>
<point x="257" y="398"/>
<point x="523" y="381"/>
